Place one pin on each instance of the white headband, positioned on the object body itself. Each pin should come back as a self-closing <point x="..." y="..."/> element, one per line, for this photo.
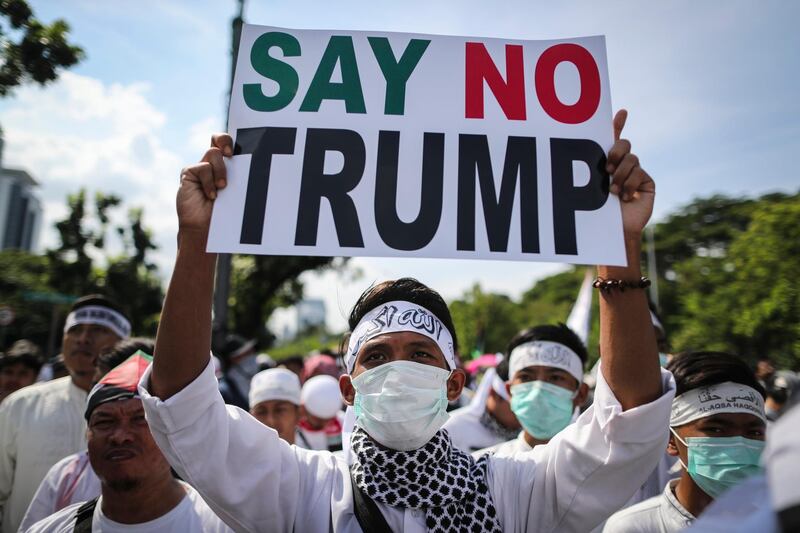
<point x="545" y="353"/>
<point x="101" y="316"/>
<point x="725" y="397"/>
<point x="396" y="316"/>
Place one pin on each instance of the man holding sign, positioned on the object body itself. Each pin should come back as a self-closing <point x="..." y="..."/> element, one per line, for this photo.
<point x="401" y="472"/>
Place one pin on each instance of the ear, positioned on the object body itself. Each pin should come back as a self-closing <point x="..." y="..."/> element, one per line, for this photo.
<point x="580" y="398"/>
<point x="455" y="384"/>
<point x="508" y="388"/>
<point x="347" y="389"/>
<point x="672" y="447"/>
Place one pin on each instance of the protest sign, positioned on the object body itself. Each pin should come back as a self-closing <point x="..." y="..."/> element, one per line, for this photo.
<point x="387" y="144"/>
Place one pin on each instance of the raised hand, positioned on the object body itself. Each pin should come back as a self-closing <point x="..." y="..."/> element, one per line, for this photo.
<point x="635" y="187"/>
<point x="200" y="183"/>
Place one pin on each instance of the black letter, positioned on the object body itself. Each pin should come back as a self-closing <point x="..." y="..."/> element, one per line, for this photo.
<point x="316" y="184"/>
<point x="263" y="143"/>
<point x="474" y="159"/>
<point x="566" y="197"/>
<point x="418" y="233"/>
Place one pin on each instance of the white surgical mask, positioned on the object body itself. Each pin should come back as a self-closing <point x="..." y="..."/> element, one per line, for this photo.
<point x="401" y="404"/>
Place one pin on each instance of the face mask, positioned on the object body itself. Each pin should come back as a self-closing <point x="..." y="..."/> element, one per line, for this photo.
<point x="542" y="408"/>
<point x="401" y="404"/>
<point x="719" y="463"/>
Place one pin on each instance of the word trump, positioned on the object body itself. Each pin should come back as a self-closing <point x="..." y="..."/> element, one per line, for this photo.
<point x="352" y="143"/>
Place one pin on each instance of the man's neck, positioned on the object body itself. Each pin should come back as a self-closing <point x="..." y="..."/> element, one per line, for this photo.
<point x="533" y="441"/>
<point x="86" y="387"/>
<point x="692" y="497"/>
<point x="144" y="503"/>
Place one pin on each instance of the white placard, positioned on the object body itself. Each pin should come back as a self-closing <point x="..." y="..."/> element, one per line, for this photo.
<point x="389" y="144"/>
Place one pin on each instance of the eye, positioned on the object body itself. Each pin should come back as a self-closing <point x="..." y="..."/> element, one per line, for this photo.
<point x="140" y="420"/>
<point x="422" y="354"/>
<point x="374" y="357"/>
<point x="556" y="378"/>
<point x="101" y="424"/>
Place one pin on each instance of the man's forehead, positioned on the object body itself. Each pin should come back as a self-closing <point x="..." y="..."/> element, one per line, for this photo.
<point x="119" y="407"/>
<point x="731" y="419"/>
<point x="535" y="369"/>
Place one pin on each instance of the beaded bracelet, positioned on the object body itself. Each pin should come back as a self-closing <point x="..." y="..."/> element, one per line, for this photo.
<point x="607" y="285"/>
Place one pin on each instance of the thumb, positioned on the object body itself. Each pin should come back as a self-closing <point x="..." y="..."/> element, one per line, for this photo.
<point x="619" y="122"/>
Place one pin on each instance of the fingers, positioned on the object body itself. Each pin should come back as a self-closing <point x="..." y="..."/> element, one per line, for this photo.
<point x="213" y="156"/>
<point x="223" y="142"/>
<point x="619" y="122"/>
<point x="200" y="175"/>
<point x="616" y="154"/>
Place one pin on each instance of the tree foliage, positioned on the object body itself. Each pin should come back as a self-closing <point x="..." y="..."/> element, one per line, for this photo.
<point x="40" y="288"/>
<point x="32" y="50"/>
<point x="260" y="284"/>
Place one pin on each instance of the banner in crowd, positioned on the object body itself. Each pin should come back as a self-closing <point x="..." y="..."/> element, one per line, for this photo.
<point x="387" y="144"/>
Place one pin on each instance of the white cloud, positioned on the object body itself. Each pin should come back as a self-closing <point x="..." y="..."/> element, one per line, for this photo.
<point x="82" y="132"/>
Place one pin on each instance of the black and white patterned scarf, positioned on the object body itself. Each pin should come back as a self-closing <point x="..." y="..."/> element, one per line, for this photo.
<point x="444" y="481"/>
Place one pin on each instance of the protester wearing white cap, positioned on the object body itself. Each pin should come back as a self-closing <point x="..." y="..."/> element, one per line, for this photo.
<point x="404" y="474"/>
<point x="320" y="426"/>
<point x="717" y="430"/>
<point x="30" y="445"/>
<point x="275" y="401"/>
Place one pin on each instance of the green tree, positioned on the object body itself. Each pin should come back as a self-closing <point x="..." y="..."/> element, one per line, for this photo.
<point x="262" y="283"/>
<point x="484" y="321"/>
<point x="32" y="50"/>
<point x="746" y="300"/>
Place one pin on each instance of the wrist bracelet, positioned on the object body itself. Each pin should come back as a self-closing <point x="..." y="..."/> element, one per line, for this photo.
<point x="607" y="285"/>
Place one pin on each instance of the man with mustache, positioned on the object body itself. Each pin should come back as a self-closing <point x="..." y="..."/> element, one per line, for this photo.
<point x="138" y="490"/>
<point x="41" y="424"/>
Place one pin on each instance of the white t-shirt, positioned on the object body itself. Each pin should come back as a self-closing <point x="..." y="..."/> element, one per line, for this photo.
<point x="39" y="426"/>
<point x="191" y="514"/>
<point x="256" y="481"/>
<point x="71" y="480"/>
<point x="661" y="514"/>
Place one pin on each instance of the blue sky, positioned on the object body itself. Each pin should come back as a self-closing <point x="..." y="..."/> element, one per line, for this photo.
<point x="711" y="88"/>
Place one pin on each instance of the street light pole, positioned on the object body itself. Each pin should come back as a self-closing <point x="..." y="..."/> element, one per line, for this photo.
<point x="222" y="281"/>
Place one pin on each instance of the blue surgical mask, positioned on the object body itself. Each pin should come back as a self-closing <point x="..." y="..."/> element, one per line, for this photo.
<point x="542" y="408"/>
<point x="401" y="404"/>
<point x="718" y="463"/>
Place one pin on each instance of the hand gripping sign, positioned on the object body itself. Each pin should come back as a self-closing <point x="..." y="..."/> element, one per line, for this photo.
<point x="388" y="144"/>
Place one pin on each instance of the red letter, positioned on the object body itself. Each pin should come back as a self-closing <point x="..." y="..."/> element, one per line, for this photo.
<point x="510" y="95"/>
<point x="585" y="107"/>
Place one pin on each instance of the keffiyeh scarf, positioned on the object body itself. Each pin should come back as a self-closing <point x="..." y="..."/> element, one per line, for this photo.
<point x="438" y="478"/>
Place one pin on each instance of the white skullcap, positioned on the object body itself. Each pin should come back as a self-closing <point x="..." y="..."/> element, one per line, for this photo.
<point x="275" y="384"/>
<point x="321" y="396"/>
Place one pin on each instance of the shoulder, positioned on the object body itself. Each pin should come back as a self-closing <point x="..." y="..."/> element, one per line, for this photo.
<point x="33" y="393"/>
<point x="461" y="417"/>
<point x="60" y="521"/>
<point x="640" y="517"/>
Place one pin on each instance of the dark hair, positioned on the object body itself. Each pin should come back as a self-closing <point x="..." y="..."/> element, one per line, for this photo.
<point x="693" y="370"/>
<point x="96" y="299"/>
<point x="406" y="290"/>
<point x="502" y="368"/>
<point x="23" y="352"/>
<point x="121" y="351"/>
<point x="559" y="333"/>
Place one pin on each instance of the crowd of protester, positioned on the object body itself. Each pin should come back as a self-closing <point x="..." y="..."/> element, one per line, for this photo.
<point x="383" y="434"/>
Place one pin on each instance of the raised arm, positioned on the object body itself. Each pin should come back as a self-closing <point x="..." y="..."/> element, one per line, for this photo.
<point x="627" y="339"/>
<point x="183" y="342"/>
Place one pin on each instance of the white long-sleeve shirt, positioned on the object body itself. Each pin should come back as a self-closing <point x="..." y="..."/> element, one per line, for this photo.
<point x="39" y="425"/>
<point x="256" y="482"/>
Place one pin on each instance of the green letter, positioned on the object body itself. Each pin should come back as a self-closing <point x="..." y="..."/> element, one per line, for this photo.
<point x="397" y="72"/>
<point x="340" y="49"/>
<point x="274" y="69"/>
